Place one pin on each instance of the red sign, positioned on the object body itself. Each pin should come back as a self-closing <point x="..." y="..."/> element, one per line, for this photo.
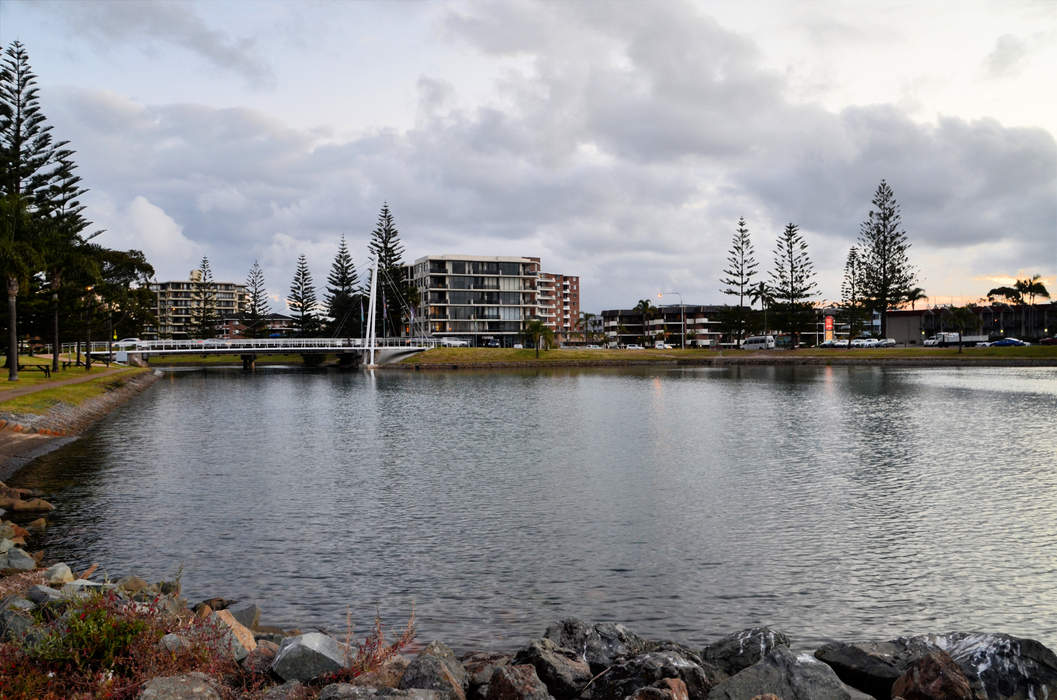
<point x="829" y="323"/>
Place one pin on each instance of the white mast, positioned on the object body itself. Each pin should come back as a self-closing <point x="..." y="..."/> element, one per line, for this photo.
<point x="371" y="335"/>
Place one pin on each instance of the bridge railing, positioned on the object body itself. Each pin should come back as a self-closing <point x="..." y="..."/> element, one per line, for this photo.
<point x="249" y="345"/>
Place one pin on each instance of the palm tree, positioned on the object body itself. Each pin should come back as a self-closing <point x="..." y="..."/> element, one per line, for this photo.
<point x="761" y="292"/>
<point x="915" y="295"/>
<point x="584" y="323"/>
<point x="646" y="308"/>
<point x="537" y="333"/>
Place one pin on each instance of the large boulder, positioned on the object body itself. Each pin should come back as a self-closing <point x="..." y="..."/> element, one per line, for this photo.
<point x="872" y="667"/>
<point x="739" y="650"/>
<point x="601" y="645"/>
<point x="259" y="661"/>
<point x="480" y="666"/>
<point x="19" y="560"/>
<point x="1000" y="666"/>
<point x="42" y="595"/>
<point x="644" y="670"/>
<point x="308" y="656"/>
<point x="517" y="682"/>
<point x="436" y="668"/>
<point x="387" y="675"/>
<point x="188" y="686"/>
<point x="58" y="573"/>
<point x="664" y="689"/>
<point x="561" y="669"/>
<point x="247" y="614"/>
<point x="935" y="675"/>
<point x="788" y="676"/>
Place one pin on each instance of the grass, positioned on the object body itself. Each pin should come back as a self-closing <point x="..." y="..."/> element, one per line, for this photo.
<point x="483" y="357"/>
<point x="31" y="377"/>
<point x="40" y="402"/>
<point x="190" y="359"/>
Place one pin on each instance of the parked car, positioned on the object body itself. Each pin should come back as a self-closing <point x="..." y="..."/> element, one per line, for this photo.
<point x="633" y="346"/>
<point x="886" y="343"/>
<point x="1048" y="341"/>
<point x="1009" y="342"/>
<point x="661" y="345"/>
<point x="865" y="343"/>
<point x="126" y="343"/>
<point x="592" y="347"/>
<point x="454" y="343"/>
<point x="493" y="343"/>
<point x="758" y="342"/>
<point x="834" y="343"/>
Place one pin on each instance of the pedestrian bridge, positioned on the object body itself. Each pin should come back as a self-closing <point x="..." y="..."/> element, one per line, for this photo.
<point x="386" y="350"/>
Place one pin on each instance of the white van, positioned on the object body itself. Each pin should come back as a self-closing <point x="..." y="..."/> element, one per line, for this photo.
<point x="758" y="342"/>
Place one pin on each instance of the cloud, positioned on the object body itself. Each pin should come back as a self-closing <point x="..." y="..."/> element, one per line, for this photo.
<point x="147" y="24"/>
<point x="142" y="225"/>
<point x="1007" y="58"/>
<point x="623" y="147"/>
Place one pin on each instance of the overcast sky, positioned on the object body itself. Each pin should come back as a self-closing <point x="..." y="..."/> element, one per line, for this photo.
<point x="619" y="141"/>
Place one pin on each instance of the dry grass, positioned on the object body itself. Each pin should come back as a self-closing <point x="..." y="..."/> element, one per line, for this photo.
<point x="18" y="584"/>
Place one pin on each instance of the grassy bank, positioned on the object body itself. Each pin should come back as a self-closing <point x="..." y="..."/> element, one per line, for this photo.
<point x="192" y="360"/>
<point x="505" y="357"/>
<point x="31" y="377"/>
<point x="39" y="402"/>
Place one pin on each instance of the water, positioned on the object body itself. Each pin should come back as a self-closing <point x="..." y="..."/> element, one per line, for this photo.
<point x="834" y="503"/>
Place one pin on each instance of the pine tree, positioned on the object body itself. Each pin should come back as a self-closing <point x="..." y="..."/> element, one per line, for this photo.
<point x="887" y="276"/>
<point x="343" y="294"/>
<point x="26" y="158"/>
<point x="851" y="294"/>
<point x="741" y="268"/>
<point x="393" y="291"/>
<point x="254" y="316"/>
<point x="302" y="300"/>
<point x="792" y="281"/>
<point x="204" y="317"/>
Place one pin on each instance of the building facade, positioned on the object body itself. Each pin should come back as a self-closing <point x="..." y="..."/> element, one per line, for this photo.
<point x="1030" y="322"/>
<point x="481" y="300"/>
<point x="666" y="324"/>
<point x="178" y="302"/>
<point x="558" y="305"/>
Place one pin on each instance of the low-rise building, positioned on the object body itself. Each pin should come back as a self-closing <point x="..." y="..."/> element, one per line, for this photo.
<point x="702" y="325"/>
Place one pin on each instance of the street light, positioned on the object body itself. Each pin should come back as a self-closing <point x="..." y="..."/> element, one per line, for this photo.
<point x="682" y="313"/>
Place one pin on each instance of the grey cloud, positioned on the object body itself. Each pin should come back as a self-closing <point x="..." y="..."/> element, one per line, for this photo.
<point x="618" y="160"/>
<point x="1007" y="57"/>
<point x="175" y="23"/>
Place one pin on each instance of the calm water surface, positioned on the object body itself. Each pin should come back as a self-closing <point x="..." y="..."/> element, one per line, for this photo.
<point x="686" y="503"/>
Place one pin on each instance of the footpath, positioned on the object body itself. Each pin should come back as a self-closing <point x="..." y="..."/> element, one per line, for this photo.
<point x="42" y="386"/>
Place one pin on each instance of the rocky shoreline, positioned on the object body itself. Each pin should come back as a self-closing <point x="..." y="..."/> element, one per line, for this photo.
<point x="26" y="436"/>
<point x="221" y="650"/>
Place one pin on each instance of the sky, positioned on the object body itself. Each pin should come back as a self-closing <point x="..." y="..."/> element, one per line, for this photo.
<point x="619" y="141"/>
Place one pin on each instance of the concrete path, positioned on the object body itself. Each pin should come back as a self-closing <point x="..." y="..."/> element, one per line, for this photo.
<point x="33" y="388"/>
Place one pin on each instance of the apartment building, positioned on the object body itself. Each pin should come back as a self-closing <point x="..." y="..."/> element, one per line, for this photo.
<point x="480" y="299"/>
<point x="665" y="324"/>
<point x="558" y="304"/>
<point x="177" y="302"/>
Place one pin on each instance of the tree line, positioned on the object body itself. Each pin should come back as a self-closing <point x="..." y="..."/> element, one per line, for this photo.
<point x="345" y="299"/>
<point x="59" y="282"/>
<point x="878" y="276"/>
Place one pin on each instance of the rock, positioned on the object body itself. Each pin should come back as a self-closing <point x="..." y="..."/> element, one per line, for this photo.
<point x="58" y="573"/>
<point x="42" y="595"/>
<point x="871" y="667"/>
<point x="18" y="603"/>
<point x="646" y="669"/>
<point x="202" y="610"/>
<point x="290" y="690"/>
<point x="687" y="652"/>
<point x="742" y="649"/>
<point x="1000" y="666"/>
<point x="788" y="676"/>
<point x="562" y="670"/>
<point x="17" y="626"/>
<point x="33" y="505"/>
<point x="6" y="544"/>
<point x="260" y="660"/>
<point x="242" y="635"/>
<point x="516" y="682"/>
<point x="600" y="645"/>
<point x="436" y="668"/>
<point x="188" y="686"/>
<point x="174" y="643"/>
<point x="388" y="675"/>
<point x="308" y="656"/>
<point x="345" y="691"/>
<point x="247" y="614"/>
<point x="480" y="667"/>
<point x="38" y="525"/>
<point x="935" y="675"/>
<point x="20" y="560"/>
<point x="79" y="588"/>
<point x="132" y="584"/>
<point x="664" y="689"/>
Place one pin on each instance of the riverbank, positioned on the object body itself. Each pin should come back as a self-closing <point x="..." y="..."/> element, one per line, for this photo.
<point x="52" y="414"/>
<point x="505" y="358"/>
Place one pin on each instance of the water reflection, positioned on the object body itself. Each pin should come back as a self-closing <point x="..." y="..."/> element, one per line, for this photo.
<point x="834" y="501"/>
